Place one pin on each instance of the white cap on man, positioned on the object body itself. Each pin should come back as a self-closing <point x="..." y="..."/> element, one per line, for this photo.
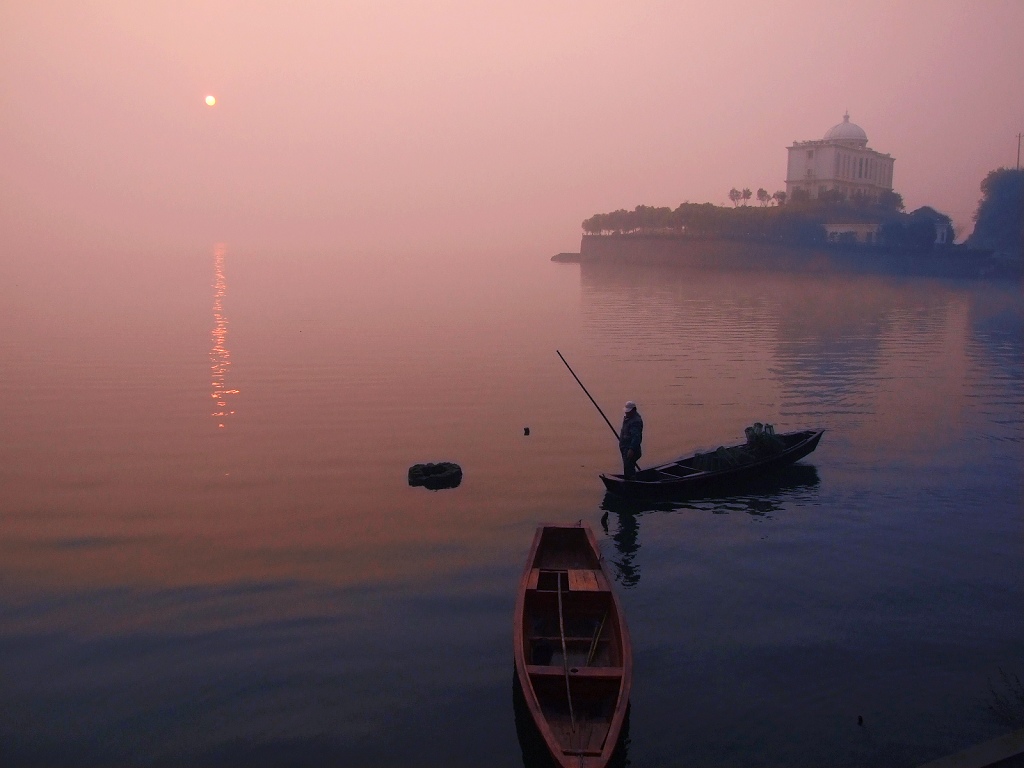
<point x="630" y="406"/>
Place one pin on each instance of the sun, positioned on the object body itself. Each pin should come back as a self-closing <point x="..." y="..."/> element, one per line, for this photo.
<point x="210" y="101"/>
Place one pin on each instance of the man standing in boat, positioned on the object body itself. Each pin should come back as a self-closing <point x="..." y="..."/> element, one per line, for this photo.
<point x="630" y="437"/>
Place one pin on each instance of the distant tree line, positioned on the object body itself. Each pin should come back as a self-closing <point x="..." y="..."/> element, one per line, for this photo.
<point x="801" y="220"/>
<point x="783" y="224"/>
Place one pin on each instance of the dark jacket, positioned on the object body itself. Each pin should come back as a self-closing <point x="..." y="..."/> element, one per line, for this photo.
<point x="632" y="432"/>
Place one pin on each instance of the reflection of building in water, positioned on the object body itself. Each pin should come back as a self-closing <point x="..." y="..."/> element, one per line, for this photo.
<point x="220" y="358"/>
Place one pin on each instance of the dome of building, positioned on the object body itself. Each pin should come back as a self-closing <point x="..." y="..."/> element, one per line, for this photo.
<point x="847" y="131"/>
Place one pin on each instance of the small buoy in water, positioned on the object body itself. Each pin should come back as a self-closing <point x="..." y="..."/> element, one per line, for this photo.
<point x="444" y="474"/>
<point x="526" y="430"/>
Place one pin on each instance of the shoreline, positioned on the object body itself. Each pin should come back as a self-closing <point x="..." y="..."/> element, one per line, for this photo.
<point x="954" y="261"/>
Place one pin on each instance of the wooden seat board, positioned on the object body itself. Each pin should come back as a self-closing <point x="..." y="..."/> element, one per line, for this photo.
<point x="583" y="581"/>
<point x="534" y="579"/>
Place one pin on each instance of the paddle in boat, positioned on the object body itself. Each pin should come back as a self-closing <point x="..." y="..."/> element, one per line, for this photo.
<point x="764" y="452"/>
<point x="572" y="650"/>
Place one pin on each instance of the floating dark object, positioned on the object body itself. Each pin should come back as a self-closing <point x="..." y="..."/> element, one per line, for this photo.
<point x="764" y="452"/>
<point x="444" y="474"/>
<point x="526" y="430"/>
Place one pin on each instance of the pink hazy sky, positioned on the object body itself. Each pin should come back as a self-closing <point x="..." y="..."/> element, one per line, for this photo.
<point x="467" y="125"/>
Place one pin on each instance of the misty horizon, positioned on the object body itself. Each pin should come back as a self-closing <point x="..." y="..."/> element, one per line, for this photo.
<point x="456" y="127"/>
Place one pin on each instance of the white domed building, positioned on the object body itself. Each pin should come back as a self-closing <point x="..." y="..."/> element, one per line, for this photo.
<point x="841" y="161"/>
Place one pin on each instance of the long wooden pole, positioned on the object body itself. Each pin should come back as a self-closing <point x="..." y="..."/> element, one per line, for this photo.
<point x="614" y="431"/>
<point x="565" y="652"/>
<point x="597" y="638"/>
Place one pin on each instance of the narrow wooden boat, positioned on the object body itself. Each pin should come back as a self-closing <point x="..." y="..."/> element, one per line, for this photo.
<point x="718" y="470"/>
<point x="572" y="651"/>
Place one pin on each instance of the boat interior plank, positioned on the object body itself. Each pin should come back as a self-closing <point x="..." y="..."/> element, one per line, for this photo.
<point x="583" y="581"/>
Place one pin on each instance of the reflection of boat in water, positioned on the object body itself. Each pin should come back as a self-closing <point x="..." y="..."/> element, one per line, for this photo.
<point x="759" y="494"/>
<point x="573" y="658"/>
<point x="718" y="471"/>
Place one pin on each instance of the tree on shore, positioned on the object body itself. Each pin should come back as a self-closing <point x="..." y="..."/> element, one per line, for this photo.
<point x="747" y="194"/>
<point x="890" y="200"/>
<point x="735" y="195"/>
<point x="779" y="197"/>
<point x="999" y="220"/>
<point x="763" y="197"/>
<point x="917" y="231"/>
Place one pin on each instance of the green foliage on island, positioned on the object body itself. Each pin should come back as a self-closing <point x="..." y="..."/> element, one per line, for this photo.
<point x="999" y="220"/>
<point x="799" y="221"/>
<point x="712" y="221"/>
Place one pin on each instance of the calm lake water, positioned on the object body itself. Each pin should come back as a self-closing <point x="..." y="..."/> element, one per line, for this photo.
<point x="210" y="554"/>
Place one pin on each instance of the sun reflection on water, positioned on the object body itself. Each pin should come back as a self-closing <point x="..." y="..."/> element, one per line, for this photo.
<point x="220" y="357"/>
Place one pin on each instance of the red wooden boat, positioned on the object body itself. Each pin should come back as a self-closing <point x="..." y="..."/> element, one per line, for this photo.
<point x="573" y="656"/>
